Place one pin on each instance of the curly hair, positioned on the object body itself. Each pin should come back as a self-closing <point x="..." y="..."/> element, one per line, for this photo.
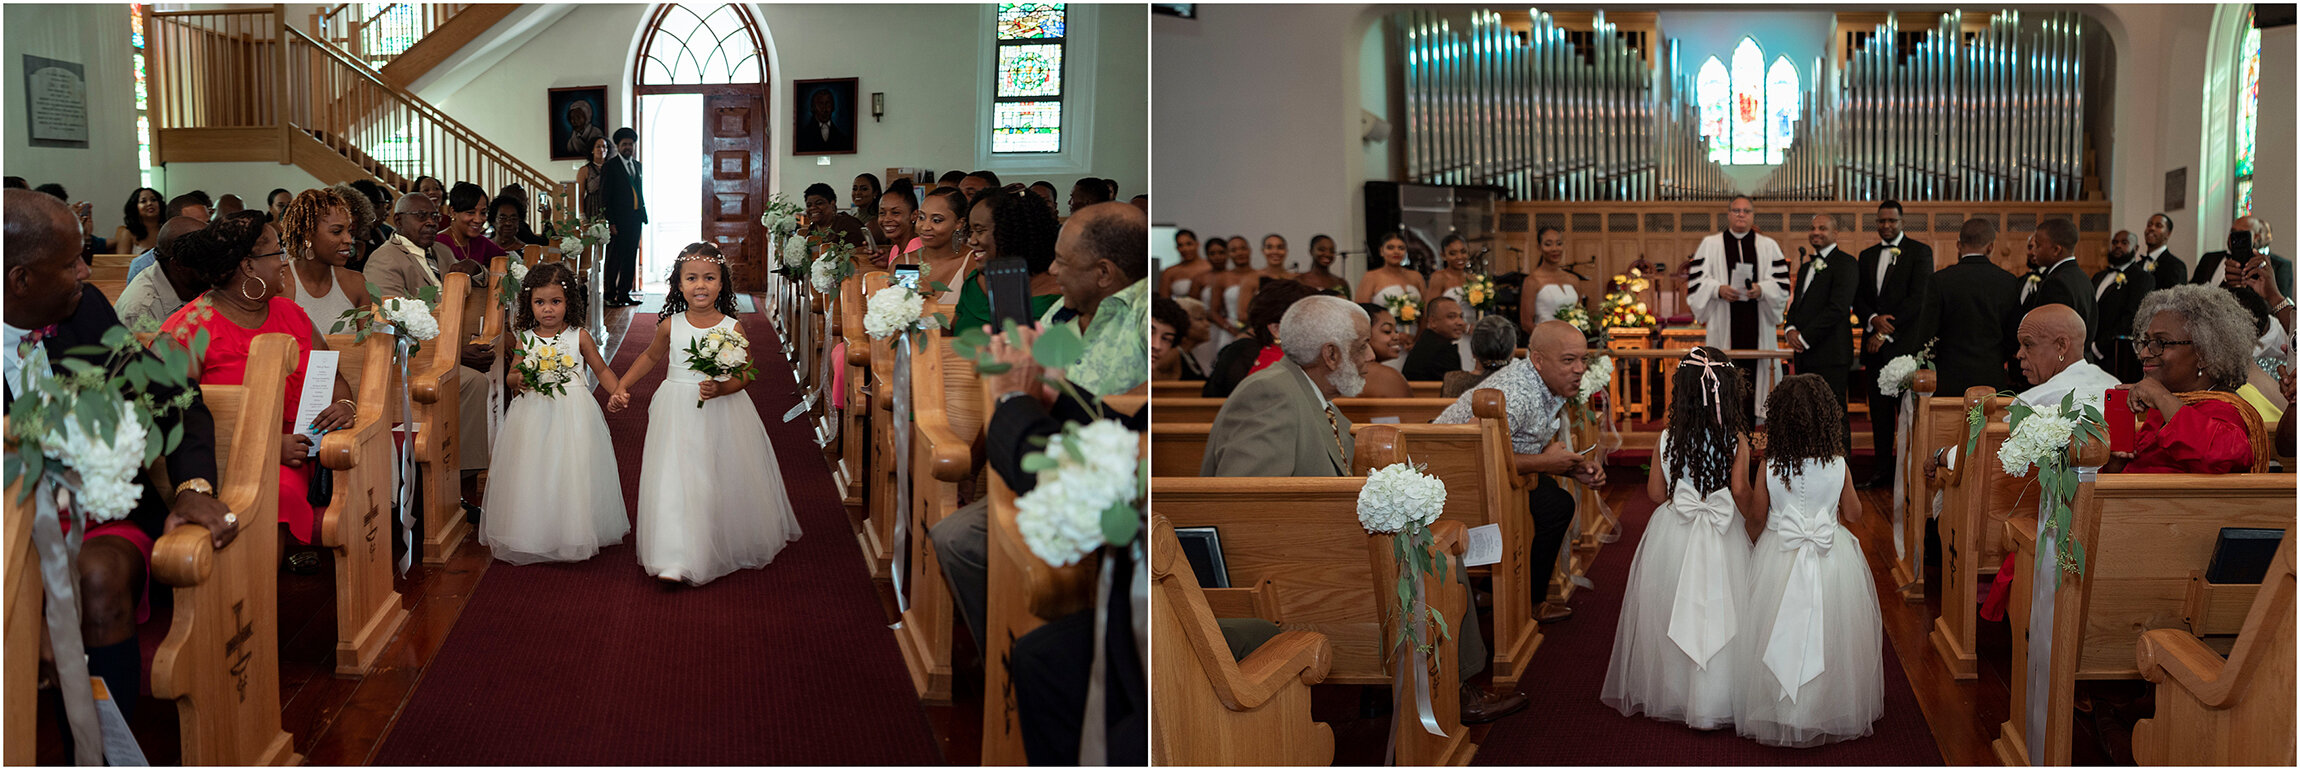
<point x="1804" y="422"/>
<point x="359" y="206"/>
<point x="2216" y="321"/>
<point x="546" y="274"/>
<point x="677" y="301"/>
<point x="1704" y="429"/>
<point x="214" y="252"/>
<point x="1022" y="225"/>
<point x="302" y="216"/>
<point x="135" y="219"/>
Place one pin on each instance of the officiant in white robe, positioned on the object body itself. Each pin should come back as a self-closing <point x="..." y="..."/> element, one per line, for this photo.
<point x="1725" y="269"/>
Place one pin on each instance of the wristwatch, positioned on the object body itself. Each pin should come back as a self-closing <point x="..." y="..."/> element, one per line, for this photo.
<point x="1011" y="395"/>
<point x="197" y="485"/>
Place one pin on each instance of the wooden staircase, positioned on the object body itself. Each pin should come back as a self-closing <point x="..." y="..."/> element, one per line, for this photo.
<point x="242" y="85"/>
<point x="404" y="41"/>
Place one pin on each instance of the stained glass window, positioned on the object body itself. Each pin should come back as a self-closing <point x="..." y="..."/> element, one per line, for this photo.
<point x="1748" y="111"/>
<point x="2247" y="115"/>
<point x="1025" y="21"/>
<point x="136" y="15"/>
<point x="1748" y="117"/>
<point x="1780" y="108"/>
<point x="690" y="48"/>
<point x="1026" y="114"/>
<point x="1712" y="91"/>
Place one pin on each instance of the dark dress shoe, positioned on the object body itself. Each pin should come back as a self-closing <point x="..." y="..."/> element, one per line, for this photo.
<point x="1479" y="707"/>
<point x="471" y="513"/>
<point x="1553" y="613"/>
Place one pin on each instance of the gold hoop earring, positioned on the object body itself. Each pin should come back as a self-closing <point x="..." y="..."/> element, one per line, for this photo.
<point x="267" y="287"/>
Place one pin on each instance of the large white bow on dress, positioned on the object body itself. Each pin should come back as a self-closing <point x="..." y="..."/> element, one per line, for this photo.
<point x="1793" y="652"/>
<point x="1704" y="614"/>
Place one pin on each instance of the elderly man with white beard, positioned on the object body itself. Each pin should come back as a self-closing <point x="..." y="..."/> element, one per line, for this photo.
<point x="1281" y="421"/>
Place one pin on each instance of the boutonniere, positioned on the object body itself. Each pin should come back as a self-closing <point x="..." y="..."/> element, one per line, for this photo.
<point x="2120" y="278"/>
<point x="2035" y="278"/>
<point x="1820" y="264"/>
<point x="1894" y="252"/>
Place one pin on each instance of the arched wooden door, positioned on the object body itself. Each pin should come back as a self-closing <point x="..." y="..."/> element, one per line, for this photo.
<point x="719" y="53"/>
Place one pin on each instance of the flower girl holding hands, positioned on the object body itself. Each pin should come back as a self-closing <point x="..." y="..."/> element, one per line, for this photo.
<point x="711" y="497"/>
<point x="553" y="492"/>
<point x="1676" y="649"/>
<point x="1812" y="667"/>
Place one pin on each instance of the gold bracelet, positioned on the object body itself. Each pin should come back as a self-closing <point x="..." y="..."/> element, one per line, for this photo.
<point x="349" y="403"/>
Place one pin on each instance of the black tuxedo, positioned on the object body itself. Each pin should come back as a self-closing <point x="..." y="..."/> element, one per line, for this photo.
<point x="810" y="139"/>
<point x="2210" y="263"/>
<point x="2111" y="344"/>
<point x="1969" y="316"/>
<point x="1907" y="282"/>
<point x="2066" y="284"/>
<point x="1820" y="308"/>
<point x="625" y="193"/>
<point x="2169" y="270"/>
<point x="193" y="458"/>
<point x="1433" y="355"/>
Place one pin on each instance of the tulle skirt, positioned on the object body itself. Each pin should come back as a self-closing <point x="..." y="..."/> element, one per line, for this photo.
<point x="1848" y="696"/>
<point x="553" y="492"/>
<point x="711" y="497"/>
<point x="1650" y="673"/>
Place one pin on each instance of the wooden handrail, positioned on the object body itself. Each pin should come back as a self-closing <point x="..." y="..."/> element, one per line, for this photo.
<point x="219" y="12"/>
<point x="535" y="180"/>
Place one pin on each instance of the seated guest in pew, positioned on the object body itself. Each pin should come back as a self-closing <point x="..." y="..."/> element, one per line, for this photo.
<point x="1536" y="389"/>
<point x="416" y="258"/>
<point x="1258" y="350"/>
<point x="1183" y="363"/>
<point x="48" y="300"/>
<point x="2260" y="383"/>
<point x="193" y="204"/>
<point x="316" y="230"/>
<point x="2190" y="338"/>
<point x="1168" y="323"/>
<point x="1282" y="422"/>
<point x="240" y="259"/>
<point x="465" y="234"/>
<point x="1102" y="245"/>
<point x="2052" y="340"/>
<point x="1433" y="352"/>
<point x="1493" y="342"/>
<point x="156" y="294"/>
<point x="1006" y="223"/>
<point x="1382" y="380"/>
<point x="820" y="202"/>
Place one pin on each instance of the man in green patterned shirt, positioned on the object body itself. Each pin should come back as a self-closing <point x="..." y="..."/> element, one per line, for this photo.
<point x="1102" y="262"/>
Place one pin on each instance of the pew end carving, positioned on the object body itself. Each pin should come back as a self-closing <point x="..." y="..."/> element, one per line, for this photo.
<point x="438" y="443"/>
<point x="2215" y="711"/>
<point x="1213" y="710"/>
<point x="1976" y="498"/>
<point x="356" y="525"/>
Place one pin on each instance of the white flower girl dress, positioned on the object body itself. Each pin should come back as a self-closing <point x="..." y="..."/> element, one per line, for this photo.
<point x="553" y="492"/>
<point x="711" y="497"/>
<point x="1676" y="648"/>
<point x="1812" y="663"/>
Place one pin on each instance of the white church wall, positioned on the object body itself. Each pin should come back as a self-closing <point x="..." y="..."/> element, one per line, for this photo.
<point x="250" y="181"/>
<point x="96" y="37"/>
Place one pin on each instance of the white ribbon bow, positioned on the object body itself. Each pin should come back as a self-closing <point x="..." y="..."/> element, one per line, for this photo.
<point x="1705" y="614"/>
<point x="1793" y="652"/>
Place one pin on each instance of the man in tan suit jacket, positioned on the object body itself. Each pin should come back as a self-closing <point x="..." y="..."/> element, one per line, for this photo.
<point x="405" y="265"/>
<point x="1280" y="422"/>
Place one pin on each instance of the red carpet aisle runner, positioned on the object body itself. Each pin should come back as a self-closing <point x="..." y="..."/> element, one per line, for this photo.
<point x="596" y="663"/>
<point x="1565" y="724"/>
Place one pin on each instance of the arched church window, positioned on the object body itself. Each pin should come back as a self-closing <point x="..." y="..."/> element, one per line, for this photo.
<point x="1748" y="111"/>
<point x="2247" y="113"/>
<point x="714" y="47"/>
<point x="1026" y="111"/>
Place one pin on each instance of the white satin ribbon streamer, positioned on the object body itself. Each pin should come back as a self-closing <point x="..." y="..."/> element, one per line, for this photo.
<point x="405" y="468"/>
<point x="1705" y="614"/>
<point x="60" y="577"/>
<point x="901" y="386"/>
<point x="1794" y="651"/>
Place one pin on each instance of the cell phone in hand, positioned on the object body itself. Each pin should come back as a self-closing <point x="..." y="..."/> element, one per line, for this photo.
<point x="1008" y="279"/>
<point x="2117" y="412"/>
<point x="907" y="276"/>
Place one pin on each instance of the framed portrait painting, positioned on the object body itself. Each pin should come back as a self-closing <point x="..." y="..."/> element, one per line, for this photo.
<point x="577" y="117"/>
<point x="824" y="112"/>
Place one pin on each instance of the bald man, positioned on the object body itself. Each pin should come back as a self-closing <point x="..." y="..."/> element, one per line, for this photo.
<point x="1536" y="389"/>
<point x="2052" y="339"/>
<point x="153" y="295"/>
<point x="2117" y="290"/>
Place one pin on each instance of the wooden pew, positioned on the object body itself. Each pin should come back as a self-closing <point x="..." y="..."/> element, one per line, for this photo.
<point x="110" y="267"/>
<point x="1160" y="390"/>
<point x="1023" y="593"/>
<point x="1977" y="498"/>
<point x="25" y="601"/>
<point x="2143" y="535"/>
<point x="1210" y="709"/>
<point x="111" y="289"/>
<point x="356" y="525"/>
<point x="220" y="660"/>
<point x="2211" y="711"/>
<point x="1592" y="526"/>
<point x="1359" y="410"/>
<point x="1476" y="462"/>
<point x="438" y="445"/>
<point x="855" y="432"/>
<point x="1308" y="565"/>
<point x="878" y="531"/>
<point x="946" y="395"/>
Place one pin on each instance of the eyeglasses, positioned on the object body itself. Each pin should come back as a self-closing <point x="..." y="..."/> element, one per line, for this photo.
<point x="282" y="254"/>
<point x="2149" y="347"/>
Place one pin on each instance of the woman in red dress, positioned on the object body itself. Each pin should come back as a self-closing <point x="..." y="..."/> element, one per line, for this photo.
<point x="2190" y="338"/>
<point x="240" y="260"/>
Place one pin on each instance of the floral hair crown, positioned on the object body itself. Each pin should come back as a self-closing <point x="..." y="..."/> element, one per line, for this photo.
<point x="697" y="256"/>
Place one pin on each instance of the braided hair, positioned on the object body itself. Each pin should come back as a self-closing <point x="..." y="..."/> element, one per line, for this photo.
<point x="1805" y="422"/>
<point x="708" y="254"/>
<point x="1704" y="427"/>
<point x="302" y="216"/>
<point x="547" y="274"/>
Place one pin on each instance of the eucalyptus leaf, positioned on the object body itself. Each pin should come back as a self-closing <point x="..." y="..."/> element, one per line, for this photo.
<point x="1119" y="524"/>
<point x="1037" y="462"/>
<point x="1058" y="347"/>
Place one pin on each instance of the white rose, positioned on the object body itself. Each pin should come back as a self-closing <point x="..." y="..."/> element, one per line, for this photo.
<point x="1894" y="378"/>
<point x="729" y="357"/>
<point x="107" y="487"/>
<point x="822" y="276"/>
<point x="570" y="245"/>
<point x="892" y="310"/>
<point x="795" y="251"/>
